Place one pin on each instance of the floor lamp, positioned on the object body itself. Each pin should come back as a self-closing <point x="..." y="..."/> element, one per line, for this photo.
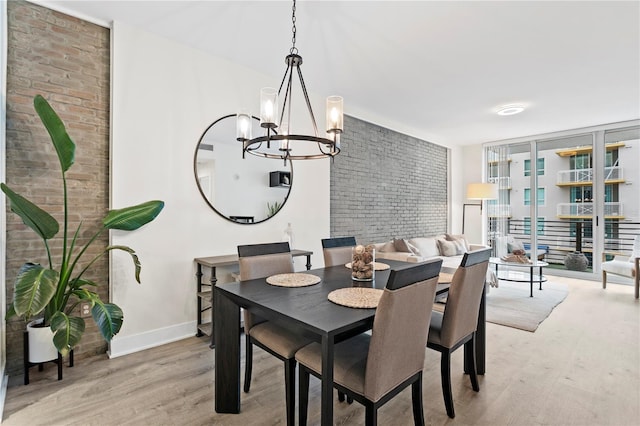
<point x="479" y="191"/>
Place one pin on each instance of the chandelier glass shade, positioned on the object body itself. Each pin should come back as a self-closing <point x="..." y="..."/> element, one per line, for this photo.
<point x="279" y="139"/>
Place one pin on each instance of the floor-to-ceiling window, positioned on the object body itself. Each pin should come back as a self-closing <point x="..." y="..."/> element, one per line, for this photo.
<point x="621" y="177"/>
<point x="574" y="194"/>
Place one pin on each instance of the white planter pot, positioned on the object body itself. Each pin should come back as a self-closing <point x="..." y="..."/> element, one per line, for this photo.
<point x="41" y="347"/>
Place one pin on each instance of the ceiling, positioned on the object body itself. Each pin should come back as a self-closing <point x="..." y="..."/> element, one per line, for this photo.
<point x="435" y="70"/>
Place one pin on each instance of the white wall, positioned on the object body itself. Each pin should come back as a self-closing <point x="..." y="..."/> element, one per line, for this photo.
<point x="466" y="167"/>
<point x="163" y="97"/>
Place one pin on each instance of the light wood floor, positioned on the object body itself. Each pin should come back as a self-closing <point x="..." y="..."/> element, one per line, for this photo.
<point x="581" y="367"/>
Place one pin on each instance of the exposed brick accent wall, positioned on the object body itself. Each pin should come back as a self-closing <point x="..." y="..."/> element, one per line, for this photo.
<point x="386" y="184"/>
<point x="67" y="61"/>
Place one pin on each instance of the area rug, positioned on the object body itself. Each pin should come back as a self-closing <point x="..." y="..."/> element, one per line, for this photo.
<point x="511" y="306"/>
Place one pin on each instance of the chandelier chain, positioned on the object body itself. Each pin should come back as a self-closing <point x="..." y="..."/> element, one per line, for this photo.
<point x="328" y="146"/>
<point x="294" y="49"/>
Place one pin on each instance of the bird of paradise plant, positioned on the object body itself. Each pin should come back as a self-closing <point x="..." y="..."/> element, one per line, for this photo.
<point x="52" y="292"/>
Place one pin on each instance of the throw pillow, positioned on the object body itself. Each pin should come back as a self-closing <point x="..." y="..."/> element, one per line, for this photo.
<point x="388" y="247"/>
<point x="425" y="247"/>
<point x="447" y="248"/>
<point x="413" y="249"/>
<point x="460" y="238"/>
<point x="513" y="244"/>
<point x="401" y="245"/>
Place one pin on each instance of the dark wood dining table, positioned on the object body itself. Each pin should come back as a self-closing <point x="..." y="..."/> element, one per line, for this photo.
<point x="305" y="310"/>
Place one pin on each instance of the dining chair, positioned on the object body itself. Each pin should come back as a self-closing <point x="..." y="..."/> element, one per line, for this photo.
<point x="337" y="250"/>
<point x="457" y="325"/>
<point x="372" y="369"/>
<point x="260" y="261"/>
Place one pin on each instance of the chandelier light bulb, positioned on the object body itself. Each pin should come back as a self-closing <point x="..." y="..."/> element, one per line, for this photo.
<point x="243" y="126"/>
<point x="284" y="143"/>
<point x="268" y="107"/>
<point x="334" y="114"/>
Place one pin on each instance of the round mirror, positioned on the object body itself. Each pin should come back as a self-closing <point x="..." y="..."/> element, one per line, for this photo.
<point x="244" y="191"/>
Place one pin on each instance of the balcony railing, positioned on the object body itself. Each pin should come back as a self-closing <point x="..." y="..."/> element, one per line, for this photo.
<point x="499" y="210"/>
<point x="585" y="210"/>
<point x="503" y="182"/>
<point x="560" y="237"/>
<point x="585" y="176"/>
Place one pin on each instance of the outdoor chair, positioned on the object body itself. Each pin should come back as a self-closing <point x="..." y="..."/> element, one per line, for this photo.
<point x="626" y="266"/>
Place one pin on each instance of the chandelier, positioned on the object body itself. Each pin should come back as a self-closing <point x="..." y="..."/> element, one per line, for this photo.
<point x="276" y="121"/>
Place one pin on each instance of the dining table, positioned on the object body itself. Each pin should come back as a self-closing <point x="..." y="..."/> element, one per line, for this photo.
<point x="307" y="311"/>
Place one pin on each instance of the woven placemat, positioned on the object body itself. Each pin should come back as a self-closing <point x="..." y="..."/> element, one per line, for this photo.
<point x="445" y="278"/>
<point x="378" y="266"/>
<point x="293" y="280"/>
<point x="356" y="297"/>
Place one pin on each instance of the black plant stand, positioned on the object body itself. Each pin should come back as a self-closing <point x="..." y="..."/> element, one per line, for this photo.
<point x="28" y="364"/>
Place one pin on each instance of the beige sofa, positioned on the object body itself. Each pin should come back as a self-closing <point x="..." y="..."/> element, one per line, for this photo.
<point x="449" y="248"/>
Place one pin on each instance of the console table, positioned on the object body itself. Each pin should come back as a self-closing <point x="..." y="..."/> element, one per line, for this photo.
<point x="204" y="293"/>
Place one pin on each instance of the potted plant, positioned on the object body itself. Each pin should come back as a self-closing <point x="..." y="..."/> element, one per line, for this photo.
<point x="53" y="292"/>
<point x="274" y="208"/>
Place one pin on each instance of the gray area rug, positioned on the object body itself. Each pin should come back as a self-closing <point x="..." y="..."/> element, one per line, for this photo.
<point x="511" y="306"/>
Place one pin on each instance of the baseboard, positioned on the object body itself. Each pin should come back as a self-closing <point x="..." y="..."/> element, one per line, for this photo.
<point x="124" y="345"/>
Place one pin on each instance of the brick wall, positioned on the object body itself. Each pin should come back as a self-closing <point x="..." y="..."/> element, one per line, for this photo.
<point x="385" y="184"/>
<point x="67" y="61"/>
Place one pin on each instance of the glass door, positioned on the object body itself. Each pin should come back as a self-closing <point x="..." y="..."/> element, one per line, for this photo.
<point x="620" y="175"/>
<point x="566" y="212"/>
<point x="570" y="200"/>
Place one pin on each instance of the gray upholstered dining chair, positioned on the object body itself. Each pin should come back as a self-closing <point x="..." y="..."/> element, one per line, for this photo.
<point x="260" y="261"/>
<point x="337" y="250"/>
<point x="457" y="325"/>
<point x="374" y="368"/>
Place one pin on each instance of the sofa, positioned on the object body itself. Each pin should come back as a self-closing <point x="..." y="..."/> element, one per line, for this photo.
<point x="449" y="248"/>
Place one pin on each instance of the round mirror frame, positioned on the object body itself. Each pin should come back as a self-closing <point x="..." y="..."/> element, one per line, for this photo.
<point x="208" y="201"/>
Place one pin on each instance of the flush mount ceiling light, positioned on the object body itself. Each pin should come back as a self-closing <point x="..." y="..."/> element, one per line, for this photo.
<point x="510" y="109"/>
<point x="277" y="122"/>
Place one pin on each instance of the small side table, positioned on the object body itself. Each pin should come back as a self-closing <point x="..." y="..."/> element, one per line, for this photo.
<point x="521" y="276"/>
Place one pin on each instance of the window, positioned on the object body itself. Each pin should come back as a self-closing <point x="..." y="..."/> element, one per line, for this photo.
<point x="580" y="161"/>
<point x="493" y="170"/>
<point x="608" y="193"/>
<point x="582" y="194"/>
<point x="611" y="158"/>
<point x="584" y="226"/>
<point x="527" y="167"/>
<point x="527" y="196"/>
<point x="527" y="226"/>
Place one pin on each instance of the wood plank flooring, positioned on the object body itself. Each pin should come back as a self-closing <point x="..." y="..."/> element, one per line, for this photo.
<point x="581" y="367"/>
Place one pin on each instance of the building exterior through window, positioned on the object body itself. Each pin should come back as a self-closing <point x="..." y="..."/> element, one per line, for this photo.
<point x="581" y="190"/>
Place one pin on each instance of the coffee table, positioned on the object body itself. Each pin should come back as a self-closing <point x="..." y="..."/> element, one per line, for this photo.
<point x="521" y="276"/>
